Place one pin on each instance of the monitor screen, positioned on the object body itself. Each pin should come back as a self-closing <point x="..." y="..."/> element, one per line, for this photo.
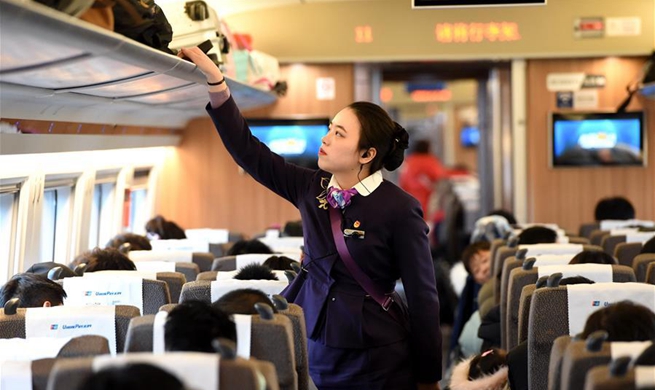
<point x="470" y="136"/>
<point x="297" y="140"/>
<point x="593" y="139"/>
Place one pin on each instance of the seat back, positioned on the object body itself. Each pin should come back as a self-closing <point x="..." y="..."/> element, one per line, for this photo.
<point x="196" y="291"/>
<point x="84" y="346"/>
<point x="204" y="260"/>
<point x="13" y="325"/>
<point x="225" y="263"/>
<point x="549" y="318"/>
<point x="609" y="243"/>
<point x="601" y="378"/>
<point x="650" y="273"/>
<point x="524" y="311"/>
<point x="587" y="228"/>
<point x="578" y="359"/>
<point x="519" y="278"/>
<point x="625" y="252"/>
<point x="508" y="266"/>
<point x="579" y="240"/>
<point x="41" y="369"/>
<point x="597" y="236"/>
<point x="155" y="294"/>
<point x="189" y="270"/>
<point x="503" y="254"/>
<point x="271" y="340"/>
<point x="174" y="281"/>
<point x="208" y="275"/>
<point x="297" y="317"/>
<point x="640" y="265"/>
<point x="555" y="364"/>
<point x="238" y="374"/>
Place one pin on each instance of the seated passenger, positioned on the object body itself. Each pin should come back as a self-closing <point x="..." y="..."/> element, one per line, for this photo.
<point x="242" y="301"/>
<point x="159" y="228"/>
<point x="132" y="377"/>
<point x="255" y="272"/>
<point x="292" y="229"/>
<point x="486" y="371"/>
<point x="280" y="263"/>
<point x="537" y="235"/>
<point x="193" y="325"/>
<point x="45" y="267"/>
<point x="104" y="260"/>
<point x="33" y="291"/>
<point x="248" y="246"/>
<point x="617" y="208"/>
<point x="649" y="246"/>
<point x="593" y="257"/>
<point x="135" y="241"/>
<point x="623" y="321"/>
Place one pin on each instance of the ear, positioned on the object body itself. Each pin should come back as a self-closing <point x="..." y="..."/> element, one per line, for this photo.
<point x="367" y="155"/>
<point x="47" y="304"/>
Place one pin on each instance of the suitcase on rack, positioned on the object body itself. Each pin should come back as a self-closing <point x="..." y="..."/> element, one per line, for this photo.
<point x="194" y="22"/>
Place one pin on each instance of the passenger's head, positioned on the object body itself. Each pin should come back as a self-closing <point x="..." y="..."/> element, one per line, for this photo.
<point x="614" y="208"/>
<point x="363" y="136"/>
<point x="280" y="263"/>
<point x="33" y="291"/>
<point x="490" y="228"/>
<point x="45" y="267"/>
<point x="649" y="246"/>
<point x="477" y="261"/>
<point x="537" y="235"/>
<point x="292" y="229"/>
<point x="160" y="228"/>
<point x="575" y="280"/>
<point x="134" y="376"/>
<point x="487" y="363"/>
<point x="623" y="321"/>
<point x="135" y="241"/>
<point x="248" y="246"/>
<point x="504" y="213"/>
<point x="105" y="260"/>
<point x="592" y="257"/>
<point x="421" y="146"/>
<point x="242" y="301"/>
<point x="255" y="272"/>
<point x="193" y="325"/>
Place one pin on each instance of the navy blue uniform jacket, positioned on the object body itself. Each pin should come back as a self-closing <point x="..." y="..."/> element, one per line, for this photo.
<point x="395" y="245"/>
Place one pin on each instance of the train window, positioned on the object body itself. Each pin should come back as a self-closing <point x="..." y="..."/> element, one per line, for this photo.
<point x="139" y="210"/>
<point x="56" y="220"/>
<point x="101" y="213"/>
<point x="8" y="211"/>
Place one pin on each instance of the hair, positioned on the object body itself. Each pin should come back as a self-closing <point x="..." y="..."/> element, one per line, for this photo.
<point x="45" y="267"/>
<point x="422" y="146"/>
<point x="649" y="246"/>
<point x="135" y="376"/>
<point x="379" y="131"/>
<point x="623" y="321"/>
<point x="104" y="260"/>
<point x="32" y="290"/>
<point x="135" y="241"/>
<point x="242" y="301"/>
<point x="593" y="257"/>
<point x="193" y="325"/>
<point x="487" y="363"/>
<point x="575" y="280"/>
<point x="471" y="251"/>
<point x="292" y="229"/>
<point x="255" y="272"/>
<point x="504" y="213"/>
<point x="614" y="208"/>
<point x="537" y="235"/>
<point x="165" y="230"/>
<point x="280" y="263"/>
<point x="248" y="246"/>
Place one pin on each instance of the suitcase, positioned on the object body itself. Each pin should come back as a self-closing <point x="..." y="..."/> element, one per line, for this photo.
<point x="194" y="22"/>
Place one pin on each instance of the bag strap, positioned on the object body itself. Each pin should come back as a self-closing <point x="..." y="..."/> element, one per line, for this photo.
<point x="364" y="280"/>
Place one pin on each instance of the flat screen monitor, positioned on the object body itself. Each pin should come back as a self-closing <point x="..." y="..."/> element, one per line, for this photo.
<point x="297" y="140"/>
<point x="598" y="139"/>
<point x="470" y="136"/>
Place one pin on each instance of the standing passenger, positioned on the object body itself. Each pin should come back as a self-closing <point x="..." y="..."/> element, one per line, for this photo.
<point x="420" y="173"/>
<point x="354" y="343"/>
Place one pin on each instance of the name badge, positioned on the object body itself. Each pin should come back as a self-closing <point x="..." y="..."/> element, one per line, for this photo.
<point x="354" y="233"/>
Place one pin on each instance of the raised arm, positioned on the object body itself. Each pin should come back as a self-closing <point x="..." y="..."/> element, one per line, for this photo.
<point x="271" y="170"/>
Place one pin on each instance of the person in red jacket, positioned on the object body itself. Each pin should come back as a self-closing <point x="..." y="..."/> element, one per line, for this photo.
<point x="419" y="174"/>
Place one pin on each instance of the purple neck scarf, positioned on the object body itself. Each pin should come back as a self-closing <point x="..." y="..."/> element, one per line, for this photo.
<point x="340" y="198"/>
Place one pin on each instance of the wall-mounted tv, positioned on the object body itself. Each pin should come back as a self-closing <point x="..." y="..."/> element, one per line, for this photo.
<point x="297" y="140"/>
<point x="598" y="139"/>
<point x="469" y="136"/>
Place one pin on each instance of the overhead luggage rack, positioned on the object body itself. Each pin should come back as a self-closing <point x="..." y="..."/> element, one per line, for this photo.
<point x="56" y="67"/>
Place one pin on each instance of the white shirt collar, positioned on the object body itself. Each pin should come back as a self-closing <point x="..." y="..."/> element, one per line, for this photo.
<point x="364" y="187"/>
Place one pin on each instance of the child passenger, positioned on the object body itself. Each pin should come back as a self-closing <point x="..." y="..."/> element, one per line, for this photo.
<point x="361" y="234"/>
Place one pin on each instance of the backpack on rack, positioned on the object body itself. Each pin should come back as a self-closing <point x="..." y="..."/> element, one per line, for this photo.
<point x="143" y="21"/>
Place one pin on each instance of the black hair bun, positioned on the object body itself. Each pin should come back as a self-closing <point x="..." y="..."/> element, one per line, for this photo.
<point x="396" y="154"/>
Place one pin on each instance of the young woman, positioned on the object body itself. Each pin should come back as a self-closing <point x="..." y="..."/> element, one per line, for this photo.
<point x="354" y="342"/>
